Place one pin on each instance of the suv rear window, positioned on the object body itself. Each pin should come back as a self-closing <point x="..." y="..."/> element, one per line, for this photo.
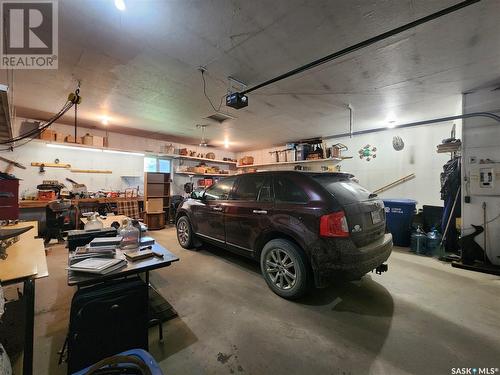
<point x="344" y="189"/>
<point x="285" y="190"/>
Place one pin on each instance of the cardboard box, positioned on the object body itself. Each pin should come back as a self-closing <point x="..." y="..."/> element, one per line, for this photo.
<point x="71" y="139"/>
<point x="97" y="141"/>
<point x="59" y="137"/>
<point x="48" y="135"/>
<point x="87" y="139"/>
<point x="199" y="169"/>
<point x="154" y="205"/>
<point x="246" y="160"/>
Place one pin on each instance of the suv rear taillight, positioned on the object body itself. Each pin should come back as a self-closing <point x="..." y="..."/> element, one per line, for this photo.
<point x="333" y="225"/>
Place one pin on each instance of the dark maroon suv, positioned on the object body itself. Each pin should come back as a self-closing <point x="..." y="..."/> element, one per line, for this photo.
<point x="302" y="227"/>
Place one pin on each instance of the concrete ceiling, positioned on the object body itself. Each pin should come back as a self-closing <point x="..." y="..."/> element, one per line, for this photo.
<point x="139" y="67"/>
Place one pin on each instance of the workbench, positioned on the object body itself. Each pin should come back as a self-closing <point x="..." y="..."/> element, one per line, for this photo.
<point x="75" y="202"/>
<point x="25" y="263"/>
<point x="35" y="209"/>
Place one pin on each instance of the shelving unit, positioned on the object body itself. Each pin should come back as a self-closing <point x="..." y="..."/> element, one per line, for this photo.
<point x="185" y="157"/>
<point x="206" y="174"/>
<point x="331" y="160"/>
<point x="156" y="198"/>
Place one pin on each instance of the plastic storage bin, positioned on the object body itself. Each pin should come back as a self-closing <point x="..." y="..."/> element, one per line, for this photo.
<point x="399" y="214"/>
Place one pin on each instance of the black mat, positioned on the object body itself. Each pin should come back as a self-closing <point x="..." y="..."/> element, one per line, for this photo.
<point x="478" y="267"/>
<point x="159" y="308"/>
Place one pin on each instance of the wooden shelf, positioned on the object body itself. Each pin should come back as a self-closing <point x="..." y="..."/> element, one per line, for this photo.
<point x="206" y="174"/>
<point x="185" y="157"/>
<point x="334" y="160"/>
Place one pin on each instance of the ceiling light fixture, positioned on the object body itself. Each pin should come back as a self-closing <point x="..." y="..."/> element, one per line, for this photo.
<point x="104" y="120"/>
<point x="51" y="145"/>
<point x="83" y="148"/>
<point x="120" y="5"/>
<point x="123" y="152"/>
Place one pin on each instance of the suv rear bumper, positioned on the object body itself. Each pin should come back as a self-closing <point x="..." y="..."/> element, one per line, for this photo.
<point x="352" y="263"/>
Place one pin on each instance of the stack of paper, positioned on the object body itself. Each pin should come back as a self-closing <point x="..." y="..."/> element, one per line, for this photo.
<point x="84" y="252"/>
<point x="98" y="266"/>
<point x="105" y="241"/>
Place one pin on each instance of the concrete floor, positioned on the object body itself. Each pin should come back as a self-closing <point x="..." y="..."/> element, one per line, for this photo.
<point x="421" y="317"/>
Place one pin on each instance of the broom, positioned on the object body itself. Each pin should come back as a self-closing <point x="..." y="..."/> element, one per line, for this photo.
<point x="441" y="251"/>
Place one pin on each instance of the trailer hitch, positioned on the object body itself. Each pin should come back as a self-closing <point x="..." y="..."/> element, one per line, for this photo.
<point x="381" y="268"/>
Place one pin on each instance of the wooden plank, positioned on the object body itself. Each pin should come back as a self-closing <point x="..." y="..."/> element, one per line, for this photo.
<point x="50" y="165"/>
<point x="90" y="171"/>
<point x="336" y="160"/>
<point x="395" y="183"/>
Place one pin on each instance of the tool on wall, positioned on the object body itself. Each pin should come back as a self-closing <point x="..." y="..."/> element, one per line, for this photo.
<point x="50" y="165"/>
<point x="11" y="164"/>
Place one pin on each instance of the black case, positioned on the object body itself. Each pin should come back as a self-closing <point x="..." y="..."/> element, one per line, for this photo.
<point x="107" y="319"/>
<point x="82" y="237"/>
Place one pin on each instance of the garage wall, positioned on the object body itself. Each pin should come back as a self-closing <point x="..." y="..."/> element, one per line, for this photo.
<point x="481" y="141"/>
<point x="127" y="169"/>
<point x="418" y="156"/>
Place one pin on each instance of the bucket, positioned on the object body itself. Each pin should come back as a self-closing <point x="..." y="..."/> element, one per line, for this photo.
<point x="399" y="215"/>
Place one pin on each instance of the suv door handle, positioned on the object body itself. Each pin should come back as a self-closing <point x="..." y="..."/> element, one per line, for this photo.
<point x="217" y="208"/>
<point x="260" y="212"/>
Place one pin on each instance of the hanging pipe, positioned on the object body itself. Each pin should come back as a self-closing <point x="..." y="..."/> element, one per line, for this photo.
<point x="418" y="123"/>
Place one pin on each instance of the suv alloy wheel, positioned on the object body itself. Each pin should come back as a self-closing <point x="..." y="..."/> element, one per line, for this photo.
<point x="284" y="267"/>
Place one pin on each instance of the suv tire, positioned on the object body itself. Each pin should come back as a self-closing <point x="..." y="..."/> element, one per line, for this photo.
<point x="284" y="267"/>
<point x="184" y="233"/>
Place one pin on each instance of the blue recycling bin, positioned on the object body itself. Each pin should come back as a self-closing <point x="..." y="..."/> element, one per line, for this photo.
<point x="399" y="214"/>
